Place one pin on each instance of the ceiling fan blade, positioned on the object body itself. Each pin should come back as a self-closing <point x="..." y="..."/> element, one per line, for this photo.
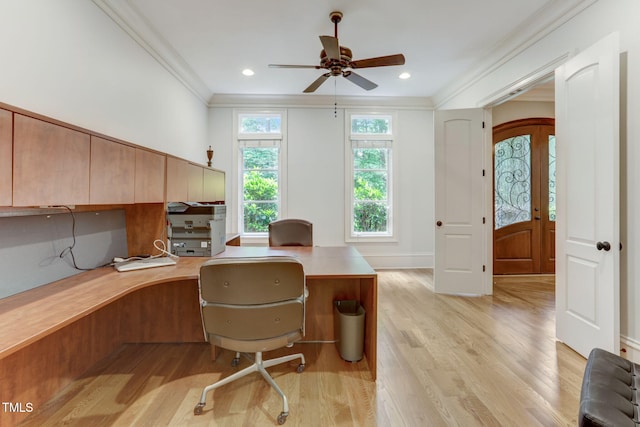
<point x="380" y="61"/>
<point x="316" y="84"/>
<point x="317" y="67"/>
<point x="331" y="47"/>
<point x="359" y="80"/>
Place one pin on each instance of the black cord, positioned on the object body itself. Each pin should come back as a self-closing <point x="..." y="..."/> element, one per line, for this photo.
<point x="69" y="249"/>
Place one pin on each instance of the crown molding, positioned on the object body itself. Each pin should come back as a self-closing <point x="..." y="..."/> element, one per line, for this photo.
<point x="549" y="18"/>
<point x="554" y="14"/>
<point x="123" y="13"/>
<point x="320" y="101"/>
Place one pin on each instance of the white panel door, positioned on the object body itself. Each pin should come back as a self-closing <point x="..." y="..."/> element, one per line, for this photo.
<point x="587" y="175"/>
<point x="459" y="246"/>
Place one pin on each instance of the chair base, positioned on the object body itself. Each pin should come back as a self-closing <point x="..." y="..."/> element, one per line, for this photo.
<point x="259" y="365"/>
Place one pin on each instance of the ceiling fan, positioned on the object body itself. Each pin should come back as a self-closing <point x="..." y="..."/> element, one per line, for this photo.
<point x="337" y="59"/>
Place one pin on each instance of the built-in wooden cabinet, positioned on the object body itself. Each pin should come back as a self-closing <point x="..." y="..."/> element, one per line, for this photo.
<point x="113" y="172"/>
<point x="196" y="185"/>
<point x="45" y="163"/>
<point x="177" y="179"/>
<point x="189" y="182"/>
<point x="150" y="176"/>
<point x="6" y="157"/>
<point x="50" y="164"/>
<point x="213" y="185"/>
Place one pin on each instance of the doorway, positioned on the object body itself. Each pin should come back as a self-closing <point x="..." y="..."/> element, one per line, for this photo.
<point x="524" y="197"/>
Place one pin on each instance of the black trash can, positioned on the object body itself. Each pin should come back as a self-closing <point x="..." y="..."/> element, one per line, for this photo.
<point x="348" y="321"/>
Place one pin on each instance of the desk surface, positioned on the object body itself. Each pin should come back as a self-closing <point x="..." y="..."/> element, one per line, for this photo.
<point x="31" y="315"/>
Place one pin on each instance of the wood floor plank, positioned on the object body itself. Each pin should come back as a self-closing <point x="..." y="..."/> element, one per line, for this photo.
<point x="442" y="361"/>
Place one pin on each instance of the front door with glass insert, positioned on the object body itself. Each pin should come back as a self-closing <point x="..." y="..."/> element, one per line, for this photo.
<point x="524" y="197"/>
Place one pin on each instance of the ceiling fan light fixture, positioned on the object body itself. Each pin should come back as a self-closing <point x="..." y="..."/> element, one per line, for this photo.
<point x="248" y="72"/>
<point x="404" y="76"/>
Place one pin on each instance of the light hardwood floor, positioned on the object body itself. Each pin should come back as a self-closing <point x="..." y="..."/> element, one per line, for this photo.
<point x="442" y="361"/>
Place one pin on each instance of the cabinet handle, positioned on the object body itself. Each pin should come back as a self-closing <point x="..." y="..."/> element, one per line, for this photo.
<point x="439" y="223"/>
<point x="606" y="246"/>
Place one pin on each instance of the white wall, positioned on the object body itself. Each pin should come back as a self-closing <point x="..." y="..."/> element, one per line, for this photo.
<point x="595" y="22"/>
<point x="68" y="60"/>
<point x="516" y="110"/>
<point x="316" y="170"/>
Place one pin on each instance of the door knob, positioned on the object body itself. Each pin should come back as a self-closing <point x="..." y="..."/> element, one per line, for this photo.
<point x="439" y="223"/>
<point x="603" y="245"/>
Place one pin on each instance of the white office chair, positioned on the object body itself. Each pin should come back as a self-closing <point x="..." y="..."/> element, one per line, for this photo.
<point x="252" y="305"/>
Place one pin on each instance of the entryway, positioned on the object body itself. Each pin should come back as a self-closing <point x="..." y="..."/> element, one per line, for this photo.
<point x="524" y="197"/>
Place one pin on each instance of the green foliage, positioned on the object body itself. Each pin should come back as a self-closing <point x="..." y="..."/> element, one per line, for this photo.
<point x="370" y="213"/>
<point x="370" y="186"/>
<point x="260" y="189"/>
<point x="370" y="158"/>
<point x="260" y="158"/>
<point x="260" y="186"/>
<point x="369" y="217"/>
<point x="261" y="124"/>
<point x="257" y="216"/>
<point x="370" y="125"/>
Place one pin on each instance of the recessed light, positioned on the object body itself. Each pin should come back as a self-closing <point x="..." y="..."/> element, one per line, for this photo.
<point x="404" y="76"/>
<point x="248" y="72"/>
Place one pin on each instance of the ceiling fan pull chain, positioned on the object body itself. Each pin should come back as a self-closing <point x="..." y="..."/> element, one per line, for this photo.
<point x="335" y="98"/>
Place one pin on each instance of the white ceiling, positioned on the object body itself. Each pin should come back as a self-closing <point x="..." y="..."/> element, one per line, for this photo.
<point x="207" y="43"/>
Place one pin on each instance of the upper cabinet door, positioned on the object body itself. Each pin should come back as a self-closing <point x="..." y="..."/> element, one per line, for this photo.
<point x="213" y="186"/>
<point x="196" y="188"/>
<point x="51" y="164"/>
<point x="6" y="159"/>
<point x="112" y="172"/>
<point x="150" y="176"/>
<point x="177" y="180"/>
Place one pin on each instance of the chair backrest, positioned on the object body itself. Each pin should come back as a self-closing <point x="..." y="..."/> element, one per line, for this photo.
<point x="291" y="232"/>
<point x="252" y="304"/>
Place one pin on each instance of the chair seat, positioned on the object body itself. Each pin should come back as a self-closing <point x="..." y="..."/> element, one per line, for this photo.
<point x="244" y="346"/>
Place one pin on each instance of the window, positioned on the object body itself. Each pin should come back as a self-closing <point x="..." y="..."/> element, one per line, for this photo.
<point x="256" y="124"/>
<point x="260" y="179"/>
<point x="369" y="168"/>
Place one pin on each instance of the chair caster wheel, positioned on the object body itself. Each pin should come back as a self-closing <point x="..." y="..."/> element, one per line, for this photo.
<point x="198" y="409"/>
<point x="300" y="368"/>
<point x="282" y="418"/>
<point x="235" y="362"/>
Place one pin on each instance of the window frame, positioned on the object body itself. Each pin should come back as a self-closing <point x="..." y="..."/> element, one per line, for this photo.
<point x="353" y="140"/>
<point x="247" y="140"/>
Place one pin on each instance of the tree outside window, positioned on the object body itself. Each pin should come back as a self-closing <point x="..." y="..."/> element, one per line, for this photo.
<point x="260" y="142"/>
<point x="370" y="181"/>
<point x="260" y="188"/>
<point x="370" y="164"/>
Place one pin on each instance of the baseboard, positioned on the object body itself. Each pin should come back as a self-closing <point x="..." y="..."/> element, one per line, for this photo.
<point x="400" y="260"/>
<point x="630" y="349"/>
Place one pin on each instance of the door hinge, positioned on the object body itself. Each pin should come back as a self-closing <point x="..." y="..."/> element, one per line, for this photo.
<point x="484" y="268"/>
<point x="482" y="125"/>
<point x="483" y="172"/>
<point x="484" y="220"/>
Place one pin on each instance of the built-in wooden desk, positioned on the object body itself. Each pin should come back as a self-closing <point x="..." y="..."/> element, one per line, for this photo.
<point x="52" y="334"/>
<point x="332" y="273"/>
